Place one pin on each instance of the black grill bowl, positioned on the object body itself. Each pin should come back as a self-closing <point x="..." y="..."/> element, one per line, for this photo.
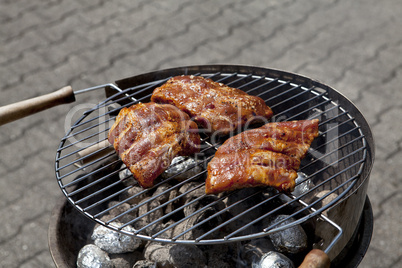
<point x="69" y="231"/>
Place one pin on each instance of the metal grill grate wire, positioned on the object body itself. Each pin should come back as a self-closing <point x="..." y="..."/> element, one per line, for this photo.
<point x="288" y="100"/>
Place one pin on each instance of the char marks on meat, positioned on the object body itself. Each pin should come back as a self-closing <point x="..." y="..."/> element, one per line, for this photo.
<point x="147" y="136"/>
<point x="214" y="106"/>
<point x="265" y="156"/>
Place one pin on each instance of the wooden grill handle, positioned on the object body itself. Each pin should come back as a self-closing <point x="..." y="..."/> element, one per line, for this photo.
<point x="316" y="258"/>
<point x="24" y="108"/>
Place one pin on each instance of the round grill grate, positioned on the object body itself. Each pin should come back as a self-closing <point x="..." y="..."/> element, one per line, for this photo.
<point x="92" y="182"/>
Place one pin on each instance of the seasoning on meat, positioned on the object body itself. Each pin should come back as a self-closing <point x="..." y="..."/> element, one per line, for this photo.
<point x="147" y="136"/>
<point x="265" y="156"/>
<point x="214" y="106"/>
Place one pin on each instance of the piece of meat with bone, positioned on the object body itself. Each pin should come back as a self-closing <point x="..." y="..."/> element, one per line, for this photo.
<point x="147" y="136"/>
<point x="214" y="106"/>
<point x="265" y="156"/>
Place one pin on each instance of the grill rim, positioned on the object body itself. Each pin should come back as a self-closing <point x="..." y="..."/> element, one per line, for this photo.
<point x="256" y="71"/>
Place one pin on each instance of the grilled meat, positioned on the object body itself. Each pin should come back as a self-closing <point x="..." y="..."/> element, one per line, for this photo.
<point x="214" y="106"/>
<point x="265" y="156"/>
<point x="147" y="136"/>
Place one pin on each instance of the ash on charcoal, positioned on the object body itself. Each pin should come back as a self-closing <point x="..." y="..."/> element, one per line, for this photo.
<point x="171" y="206"/>
<point x="244" y="200"/>
<point x="91" y="256"/>
<point x="115" y="242"/>
<point x="158" y="253"/>
<point x="291" y="240"/>
<point x="204" y="201"/>
<point x="175" y="255"/>
<point x="152" y="210"/>
<point x="161" y="193"/>
<point x="274" y="259"/>
<point x="145" y="264"/>
<point x="192" y="190"/>
<point x="187" y="256"/>
<point x="117" y="210"/>
<point x="148" y="215"/>
<point x="196" y="216"/>
<point x="134" y="195"/>
<point x="179" y="166"/>
<point x="220" y="255"/>
<point x="125" y="260"/>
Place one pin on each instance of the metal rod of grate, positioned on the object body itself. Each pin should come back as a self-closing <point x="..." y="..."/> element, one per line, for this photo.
<point x="295" y="101"/>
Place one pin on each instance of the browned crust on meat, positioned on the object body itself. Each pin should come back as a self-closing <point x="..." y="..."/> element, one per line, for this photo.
<point x="266" y="156"/>
<point x="214" y="106"/>
<point x="148" y="136"/>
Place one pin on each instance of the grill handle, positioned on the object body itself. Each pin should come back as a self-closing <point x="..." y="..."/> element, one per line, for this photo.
<point x="316" y="259"/>
<point x="24" y="108"/>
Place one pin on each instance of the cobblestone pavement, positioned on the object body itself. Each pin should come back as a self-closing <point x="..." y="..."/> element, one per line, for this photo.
<point x="354" y="46"/>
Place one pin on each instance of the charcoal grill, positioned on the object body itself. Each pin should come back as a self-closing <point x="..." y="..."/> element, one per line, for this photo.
<point x="338" y="162"/>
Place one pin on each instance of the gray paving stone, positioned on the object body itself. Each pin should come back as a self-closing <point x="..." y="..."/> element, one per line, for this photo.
<point x="388" y="220"/>
<point x="28" y="62"/>
<point x="391" y="131"/>
<point x="26" y="245"/>
<point x="372" y="105"/>
<point x="41" y="260"/>
<point x="26" y="22"/>
<point x="16" y="46"/>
